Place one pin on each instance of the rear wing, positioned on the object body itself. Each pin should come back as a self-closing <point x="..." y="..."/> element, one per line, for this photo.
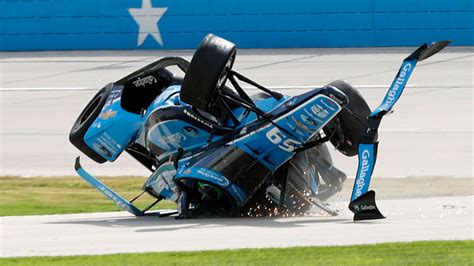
<point x="362" y="200"/>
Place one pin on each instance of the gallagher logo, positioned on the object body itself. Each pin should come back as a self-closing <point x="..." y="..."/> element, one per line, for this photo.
<point x="392" y="93"/>
<point x="364" y="168"/>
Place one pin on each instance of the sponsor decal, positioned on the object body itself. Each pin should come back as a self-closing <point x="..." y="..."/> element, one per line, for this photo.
<point x="109" y="145"/>
<point x="190" y="131"/>
<point x="108" y="114"/>
<point x="220" y="180"/>
<point x="294" y="129"/>
<point x="360" y="182"/>
<point x="367" y="207"/>
<point x="310" y="114"/>
<point x="148" y="80"/>
<point x="300" y="125"/>
<point x="102" y="149"/>
<point x="329" y="104"/>
<point x="290" y="125"/>
<point x="113" y="97"/>
<point x="332" y="96"/>
<point x="174" y="138"/>
<point x="290" y="102"/>
<point x="307" y="120"/>
<point x="297" y="130"/>
<point x="114" y="198"/>
<point x="319" y="111"/>
<point x="392" y="93"/>
<point x="198" y="119"/>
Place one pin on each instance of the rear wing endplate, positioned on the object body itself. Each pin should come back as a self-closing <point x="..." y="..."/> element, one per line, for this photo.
<point x="362" y="200"/>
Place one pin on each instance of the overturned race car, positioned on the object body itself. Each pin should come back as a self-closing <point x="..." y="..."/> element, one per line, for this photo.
<point x="215" y="150"/>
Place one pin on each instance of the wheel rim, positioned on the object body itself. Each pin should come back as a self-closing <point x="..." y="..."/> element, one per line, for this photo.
<point x="223" y="77"/>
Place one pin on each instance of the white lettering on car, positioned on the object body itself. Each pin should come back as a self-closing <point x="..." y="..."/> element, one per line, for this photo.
<point x="148" y="80"/>
<point x="278" y="138"/>
<point x="392" y="93"/>
<point x="220" y="180"/>
<point x="363" y="172"/>
<point x="194" y="117"/>
<point x="319" y="111"/>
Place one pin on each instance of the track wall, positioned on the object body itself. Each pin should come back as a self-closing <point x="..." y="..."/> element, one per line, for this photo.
<point x="181" y="24"/>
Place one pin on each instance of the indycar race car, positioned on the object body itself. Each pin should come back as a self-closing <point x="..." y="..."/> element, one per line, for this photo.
<point x="215" y="150"/>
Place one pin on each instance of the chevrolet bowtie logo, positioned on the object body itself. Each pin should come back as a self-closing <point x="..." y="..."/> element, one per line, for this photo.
<point x="108" y="114"/>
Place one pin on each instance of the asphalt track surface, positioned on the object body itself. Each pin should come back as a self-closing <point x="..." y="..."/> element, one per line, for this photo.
<point x="429" y="134"/>
<point x="104" y="233"/>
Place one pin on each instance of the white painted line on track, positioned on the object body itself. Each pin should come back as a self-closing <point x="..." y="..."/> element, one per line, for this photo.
<point x="50" y="89"/>
<point x="399" y="130"/>
<point x="19" y="132"/>
<point x="279" y="87"/>
<point x="376" y="86"/>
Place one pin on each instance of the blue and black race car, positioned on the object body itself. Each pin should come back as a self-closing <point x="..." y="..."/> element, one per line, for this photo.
<point x="215" y="150"/>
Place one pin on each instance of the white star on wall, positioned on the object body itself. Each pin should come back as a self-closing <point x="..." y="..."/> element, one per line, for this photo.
<point x="147" y="19"/>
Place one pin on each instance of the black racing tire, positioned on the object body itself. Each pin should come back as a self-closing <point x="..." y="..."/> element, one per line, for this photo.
<point x="85" y="120"/>
<point x="352" y="128"/>
<point x="207" y="72"/>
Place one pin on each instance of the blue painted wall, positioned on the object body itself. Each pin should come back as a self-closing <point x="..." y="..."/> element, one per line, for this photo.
<point x="108" y="24"/>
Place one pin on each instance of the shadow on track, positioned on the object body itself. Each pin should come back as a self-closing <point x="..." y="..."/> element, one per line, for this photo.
<point x="156" y="224"/>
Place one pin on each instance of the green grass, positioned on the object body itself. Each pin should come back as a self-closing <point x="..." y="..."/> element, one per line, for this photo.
<point x="57" y="195"/>
<point x="415" y="253"/>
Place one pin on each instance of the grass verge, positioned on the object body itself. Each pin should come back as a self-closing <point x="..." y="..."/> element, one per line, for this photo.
<point x="414" y="253"/>
<point x="58" y="195"/>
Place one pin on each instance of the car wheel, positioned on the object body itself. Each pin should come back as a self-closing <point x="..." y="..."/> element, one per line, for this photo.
<point x="351" y="126"/>
<point x="85" y="120"/>
<point x="207" y="72"/>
